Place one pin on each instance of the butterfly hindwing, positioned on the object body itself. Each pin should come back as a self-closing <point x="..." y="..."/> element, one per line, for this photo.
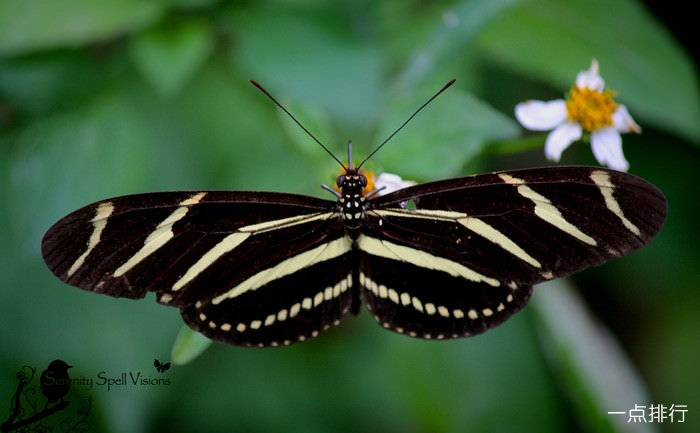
<point x="288" y="301"/>
<point x="425" y="296"/>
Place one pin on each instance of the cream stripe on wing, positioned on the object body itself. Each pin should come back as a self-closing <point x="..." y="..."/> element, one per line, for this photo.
<point x="99" y="222"/>
<point x="444" y="215"/>
<point x="386" y="249"/>
<point x="602" y="181"/>
<point x="321" y="253"/>
<point x="476" y="225"/>
<point x="224" y="246"/>
<point x="546" y="211"/>
<point x="160" y="236"/>
<point x="492" y="234"/>
<point x="233" y="240"/>
<point x="289" y="313"/>
<point x="283" y="223"/>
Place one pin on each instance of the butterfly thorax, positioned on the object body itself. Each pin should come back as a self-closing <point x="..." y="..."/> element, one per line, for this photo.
<point x="351" y="200"/>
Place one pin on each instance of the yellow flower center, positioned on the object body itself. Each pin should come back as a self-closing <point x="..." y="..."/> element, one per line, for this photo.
<point x="590" y="108"/>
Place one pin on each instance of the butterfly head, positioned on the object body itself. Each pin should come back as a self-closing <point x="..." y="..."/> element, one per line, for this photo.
<point x="351" y="181"/>
<point x="352" y="198"/>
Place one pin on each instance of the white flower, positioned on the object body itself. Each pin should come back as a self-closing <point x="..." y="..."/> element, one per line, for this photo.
<point x="386" y="183"/>
<point x="589" y="108"/>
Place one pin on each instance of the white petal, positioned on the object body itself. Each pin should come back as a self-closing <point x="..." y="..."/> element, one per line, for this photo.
<point x="389" y="182"/>
<point x="607" y="148"/>
<point x="624" y="122"/>
<point x="559" y="139"/>
<point x="541" y="115"/>
<point x="591" y="78"/>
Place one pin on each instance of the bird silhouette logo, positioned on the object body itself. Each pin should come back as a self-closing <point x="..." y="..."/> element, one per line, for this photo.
<point x="162" y="367"/>
<point x="55" y="382"/>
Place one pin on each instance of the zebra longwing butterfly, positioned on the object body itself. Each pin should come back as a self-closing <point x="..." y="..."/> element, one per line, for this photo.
<point x="440" y="260"/>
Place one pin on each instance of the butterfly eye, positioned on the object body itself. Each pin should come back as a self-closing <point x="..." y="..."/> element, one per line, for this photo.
<point x="363" y="181"/>
<point x="339" y="181"/>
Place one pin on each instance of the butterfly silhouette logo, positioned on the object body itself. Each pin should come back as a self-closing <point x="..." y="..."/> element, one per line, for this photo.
<point x="162" y="367"/>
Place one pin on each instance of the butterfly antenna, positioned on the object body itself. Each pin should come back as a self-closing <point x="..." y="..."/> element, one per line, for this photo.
<point x="448" y="84"/>
<point x="262" y="89"/>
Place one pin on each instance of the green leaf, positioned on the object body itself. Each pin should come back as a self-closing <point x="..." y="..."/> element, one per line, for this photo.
<point x="451" y="35"/>
<point x="192" y="4"/>
<point x="304" y="58"/>
<point x="170" y="54"/>
<point x="51" y="82"/>
<point x="235" y="134"/>
<point x="588" y="361"/>
<point x="509" y="147"/>
<point x="552" y="40"/>
<point x="66" y="160"/>
<point x="470" y="385"/>
<point x="188" y="345"/>
<point x="316" y="121"/>
<point x="443" y="137"/>
<point x="27" y="26"/>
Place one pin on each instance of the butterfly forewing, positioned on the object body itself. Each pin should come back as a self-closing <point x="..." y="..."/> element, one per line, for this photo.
<point x="116" y="246"/>
<point x="456" y="257"/>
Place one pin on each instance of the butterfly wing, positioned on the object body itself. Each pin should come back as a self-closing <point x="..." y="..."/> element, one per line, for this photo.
<point x="457" y="257"/>
<point x="244" y="268"/>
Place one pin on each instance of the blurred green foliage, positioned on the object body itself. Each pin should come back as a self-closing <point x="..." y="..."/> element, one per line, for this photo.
<point x="120" y="96"/>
